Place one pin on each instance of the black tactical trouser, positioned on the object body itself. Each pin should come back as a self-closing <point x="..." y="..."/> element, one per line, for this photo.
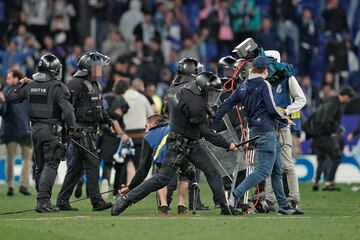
<point x="45" y="141"/>
<point x="82" y="160"/>
<point x="198" y="157"/>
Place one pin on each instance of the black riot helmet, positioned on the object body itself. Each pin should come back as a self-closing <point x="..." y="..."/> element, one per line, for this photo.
<point x="208" y="84"/>
<point x="88" y="60"/>
<point x="189" y="66"/>
<point x="50" y="65"/>
<point x="225" y="68"/>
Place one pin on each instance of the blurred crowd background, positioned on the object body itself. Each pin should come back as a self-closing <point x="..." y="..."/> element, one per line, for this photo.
<point x="145" y="39"/>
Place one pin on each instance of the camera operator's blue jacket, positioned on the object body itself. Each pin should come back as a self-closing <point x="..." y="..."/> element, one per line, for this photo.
<point x="255" y="94"/>
<point x="153" y="150"/>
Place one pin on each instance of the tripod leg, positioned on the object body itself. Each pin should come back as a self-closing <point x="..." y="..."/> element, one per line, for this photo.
<point x="195" y="189"/>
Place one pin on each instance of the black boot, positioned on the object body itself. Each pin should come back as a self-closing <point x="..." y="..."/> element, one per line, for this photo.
<point x="10" y="191"/>
<point x="182" y="209"/>
<point x="120" y="205"/>
<point x="67" y="207"/>
<point x="46" y="207"/>
<point x="228" y="210"/>
<point x="24" y="191"/>
<point x="102" y="205"/>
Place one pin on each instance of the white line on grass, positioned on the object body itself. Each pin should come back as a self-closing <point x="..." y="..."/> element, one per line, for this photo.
<point x="169" y="218"/>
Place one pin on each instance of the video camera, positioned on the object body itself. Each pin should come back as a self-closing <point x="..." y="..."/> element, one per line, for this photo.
<point x="246" y="49"/>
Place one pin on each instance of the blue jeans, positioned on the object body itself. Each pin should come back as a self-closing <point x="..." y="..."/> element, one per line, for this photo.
<point x="269" y="163"/>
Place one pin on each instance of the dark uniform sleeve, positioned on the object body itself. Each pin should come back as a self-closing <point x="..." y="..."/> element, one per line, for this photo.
<point x="144" y="167"/>
<point x="213" y="137"/>
<point x="196" y="112"/>
<point x="105" y="116"/>
<point x="62" y="95"/>
<point x="74" y="87"/>
<point x="17" y="93"/>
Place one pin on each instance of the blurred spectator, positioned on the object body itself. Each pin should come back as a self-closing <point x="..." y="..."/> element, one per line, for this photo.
<point x="120" y="172"/>
<point x="109" y="141"/>
<point x="190" y="49"/>
<point x="134" y="120"/>
<point x="150" y="91"/>
<point x="130" y="19"/>
<point x="119" y="71"/>
<point x="225" y="33"/>
<point x="89" y="44"/>
<point x="134" y="68"/>
<point x="308" y="41"/>
<point x="207" y="48"/>
<point x="171" y="34"/>
<point x="182" y="17"/>
<point x="114" y="46"/>
<point x="66" y="10"/>
<point x="284" y="13"/>
<point x="165" y="81"/>
<point x="138" y="50"/>
<point x="329" y="79"/>
<point x="38" y="13"/>
<point x="138" y="85"/>
<point x="326" y="90"/>
<point x="148" y="70"/>
<point x="18" y="39"/>
<point x="145" y="30"/>
<point x="99" y="12"/>
<point x="352" y="59"/>
<point x="59" y="31"/>
<point x="71" y="61"/>
<point x="12" y="58"/>
<point x="335" y="17"/>
<point x="245" y="18"/>
<point x="335" y="27"/>
<point x="156" y="52"/>
<point x="159" y="15"/>
<point x="49" y="47"/>
<point x="32" y="47"/>
<point x="116" y="10"/>
<point x="267" y="38"/>
<point x="311" y="94"/>
<point x="15" y="130"/>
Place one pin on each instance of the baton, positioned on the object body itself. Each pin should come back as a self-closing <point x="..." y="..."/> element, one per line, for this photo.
<point x="84" y="148"/>
<point x="247" y="141"/>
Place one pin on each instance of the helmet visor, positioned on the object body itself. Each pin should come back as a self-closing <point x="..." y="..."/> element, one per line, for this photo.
<point x="213" y="97"/>
<point x="224" y="71"/>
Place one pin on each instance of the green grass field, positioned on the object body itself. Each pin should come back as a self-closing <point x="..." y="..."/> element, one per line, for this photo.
<point x="328" y="215"/>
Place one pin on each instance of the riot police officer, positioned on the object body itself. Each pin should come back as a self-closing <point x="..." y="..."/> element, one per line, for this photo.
<point x="90" y="114"/>
<point x="187" y="70"/>
<point x="187" y="123"/>
<point x="48" y="100"/>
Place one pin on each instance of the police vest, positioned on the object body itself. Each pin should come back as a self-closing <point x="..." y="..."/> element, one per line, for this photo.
<point x="156" y="138"/>
<point x="283" y="99"/>
<point x="41" y="102"/>
<point x="91" y="109"/>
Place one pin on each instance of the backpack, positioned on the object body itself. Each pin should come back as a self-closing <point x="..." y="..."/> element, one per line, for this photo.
<point x="315" y="125"/>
